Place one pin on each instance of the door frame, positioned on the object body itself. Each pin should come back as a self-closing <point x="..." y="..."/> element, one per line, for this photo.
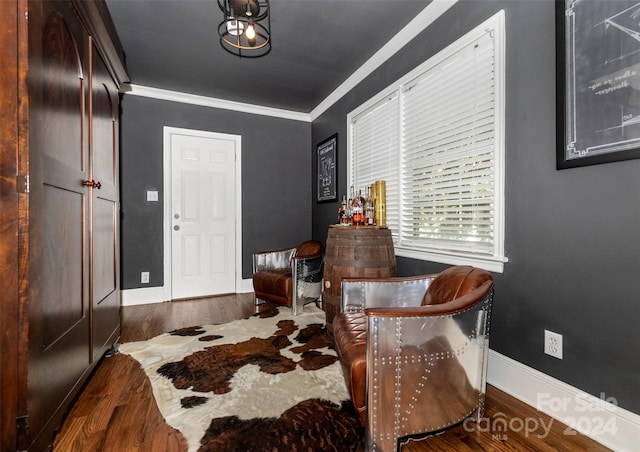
<point x="166" y="193"/>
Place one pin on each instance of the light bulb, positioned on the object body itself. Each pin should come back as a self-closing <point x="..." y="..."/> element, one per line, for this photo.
<point x="251" y="32"/>
<point x="235" y="27"/>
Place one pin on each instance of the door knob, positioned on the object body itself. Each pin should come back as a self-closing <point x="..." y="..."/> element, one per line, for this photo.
<point x="176" y="228"/>
<point x="92" y="183"/>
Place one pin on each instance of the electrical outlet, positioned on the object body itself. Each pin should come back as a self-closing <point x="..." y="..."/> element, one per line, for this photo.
<point x="553" y="344"/>
<point x="144" y="277"/>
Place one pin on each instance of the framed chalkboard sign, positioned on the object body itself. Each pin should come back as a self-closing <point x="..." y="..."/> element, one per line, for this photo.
<point x="326" y="178"/>
<point x="598" y="81"/>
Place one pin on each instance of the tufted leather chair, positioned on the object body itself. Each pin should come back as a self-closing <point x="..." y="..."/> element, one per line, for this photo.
<point x="291" y="277"/>
<point x="414" y="351"/>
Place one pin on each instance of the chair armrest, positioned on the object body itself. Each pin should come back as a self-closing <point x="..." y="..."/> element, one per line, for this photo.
<point x="263" y="260"/>
<point x="299" y="255"/>
<point x="439" y="358"/>
<point x="306" y="266"/>
<point x="359" y="294"/>
<point x="307" y="276"/>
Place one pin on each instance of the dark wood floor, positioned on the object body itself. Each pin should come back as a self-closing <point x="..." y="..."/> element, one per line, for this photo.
<point x="116" y="410"/>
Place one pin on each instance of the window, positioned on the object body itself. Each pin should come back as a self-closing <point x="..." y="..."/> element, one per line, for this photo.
<point x="376" y="135"/>
<point x="437" y="138"/>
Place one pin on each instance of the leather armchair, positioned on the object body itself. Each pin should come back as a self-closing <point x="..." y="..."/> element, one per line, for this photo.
<point x="414" y="351"/>
<point x="291" y="277"/>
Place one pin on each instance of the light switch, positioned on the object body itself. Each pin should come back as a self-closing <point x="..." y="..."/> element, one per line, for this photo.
<point x="152" y="195"/>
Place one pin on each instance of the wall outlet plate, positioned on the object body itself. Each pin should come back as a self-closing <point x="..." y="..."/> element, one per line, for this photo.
<point x="553" y="344"/>
<point x="144" y="277"/>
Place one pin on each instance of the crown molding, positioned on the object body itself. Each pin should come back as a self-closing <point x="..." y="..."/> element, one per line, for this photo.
<point x="212" y="102"/>
<point x="425" y="18"/>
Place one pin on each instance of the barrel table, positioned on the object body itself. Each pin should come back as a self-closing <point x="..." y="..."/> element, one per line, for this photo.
<point x="354" y="252"/>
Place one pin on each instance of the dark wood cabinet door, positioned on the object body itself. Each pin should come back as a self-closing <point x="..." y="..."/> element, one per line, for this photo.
<point x="105" y="209"/>
<point x="59" y="353"/>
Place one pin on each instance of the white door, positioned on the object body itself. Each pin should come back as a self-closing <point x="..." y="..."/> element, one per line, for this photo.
<point x="203" y="237"/>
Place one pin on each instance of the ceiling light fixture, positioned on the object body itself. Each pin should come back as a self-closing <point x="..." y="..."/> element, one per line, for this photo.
<point x="246" y="28"/>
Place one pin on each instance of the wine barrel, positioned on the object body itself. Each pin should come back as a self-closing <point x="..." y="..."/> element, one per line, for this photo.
<point x="354" y="252"/>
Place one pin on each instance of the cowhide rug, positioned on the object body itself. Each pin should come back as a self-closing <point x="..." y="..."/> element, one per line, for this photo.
<point x="271" y="382"/>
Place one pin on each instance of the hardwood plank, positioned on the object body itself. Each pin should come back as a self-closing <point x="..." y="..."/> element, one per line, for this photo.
<point x="502" y="406"/>
<point x="117" y="411"/>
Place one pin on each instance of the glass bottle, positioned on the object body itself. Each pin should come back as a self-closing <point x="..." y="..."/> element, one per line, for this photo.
<point x="350" y="205"/>
<point x="357" y="206"/>
<point x="343" y="212"/>
<point x="369" y="209"/>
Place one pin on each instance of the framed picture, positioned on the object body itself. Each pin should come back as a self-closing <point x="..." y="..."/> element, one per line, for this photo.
<point x="327" y="174"/>
<point x="598" y="82"/>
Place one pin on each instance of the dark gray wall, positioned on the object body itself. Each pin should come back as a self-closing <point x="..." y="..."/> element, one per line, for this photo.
<point x="276" y="180"/>
<point x="571" y="236"/>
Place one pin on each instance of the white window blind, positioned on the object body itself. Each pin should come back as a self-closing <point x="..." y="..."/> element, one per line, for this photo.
<point x="448" y="155"/>
<point x="375" y="133"/>
<point x="436" y="137"/>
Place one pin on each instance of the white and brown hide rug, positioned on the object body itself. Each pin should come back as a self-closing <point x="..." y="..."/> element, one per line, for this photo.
<point x="271" y="382"/>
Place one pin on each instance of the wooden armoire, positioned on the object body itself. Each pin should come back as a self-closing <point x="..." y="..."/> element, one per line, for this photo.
<point x="61" y="66"/>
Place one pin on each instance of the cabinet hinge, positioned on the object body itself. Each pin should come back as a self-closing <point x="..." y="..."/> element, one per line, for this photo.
<point x="22" y="426"/>
<point x="22" y="183"/>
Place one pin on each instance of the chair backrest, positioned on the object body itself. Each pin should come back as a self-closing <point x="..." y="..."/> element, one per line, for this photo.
<point x="454" y="282"/>
<point x="310" y="248"/>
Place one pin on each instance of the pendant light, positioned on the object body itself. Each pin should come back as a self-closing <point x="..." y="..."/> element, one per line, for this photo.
<point x="245" y="30"/>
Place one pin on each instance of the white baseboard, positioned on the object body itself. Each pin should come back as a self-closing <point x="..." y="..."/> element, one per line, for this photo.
<point x="147" y="295"/>
<point x="598" y="418"/>
<point x="245" y="286"/>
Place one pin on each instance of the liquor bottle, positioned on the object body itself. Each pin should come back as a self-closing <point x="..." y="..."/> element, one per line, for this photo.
<point x="369" y="209"/>
<point x="352" y="195"/>
<point x="357" y="207"/>
<point x="343" y="212"/>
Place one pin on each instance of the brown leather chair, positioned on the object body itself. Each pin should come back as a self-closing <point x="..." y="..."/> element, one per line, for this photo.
<point x="414" y="351"/>
<point x="291" y="277"/>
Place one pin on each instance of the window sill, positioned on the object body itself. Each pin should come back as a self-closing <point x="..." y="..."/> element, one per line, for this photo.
<point x="493" y="264"/>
